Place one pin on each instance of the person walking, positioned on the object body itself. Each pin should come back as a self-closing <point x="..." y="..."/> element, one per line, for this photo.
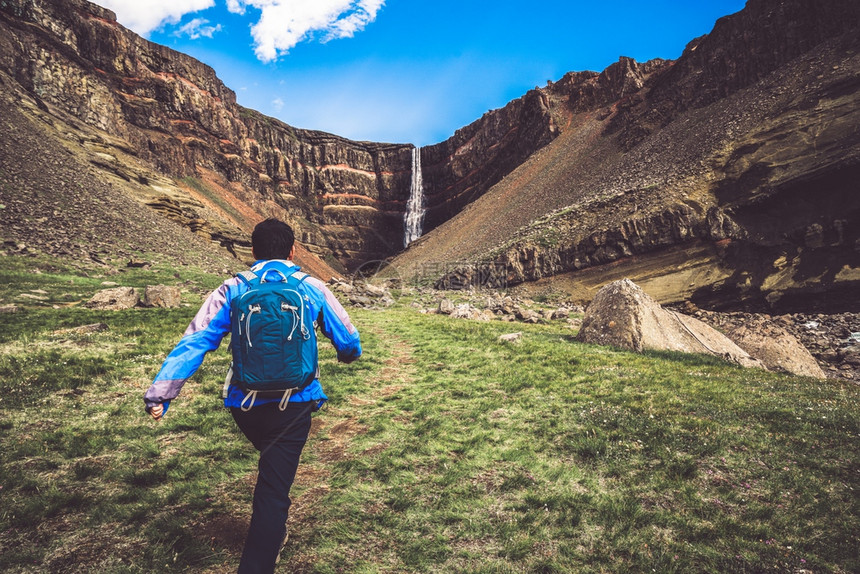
<point x="277" y="422"/>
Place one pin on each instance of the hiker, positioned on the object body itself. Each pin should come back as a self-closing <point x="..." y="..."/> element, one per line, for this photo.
<point x="277" y="422"/>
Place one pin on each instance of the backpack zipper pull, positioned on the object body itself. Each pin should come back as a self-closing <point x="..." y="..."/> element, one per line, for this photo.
<point x="251" y="310"/>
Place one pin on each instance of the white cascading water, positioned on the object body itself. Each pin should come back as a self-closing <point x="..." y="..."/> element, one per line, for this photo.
<point x="414" y="217"/>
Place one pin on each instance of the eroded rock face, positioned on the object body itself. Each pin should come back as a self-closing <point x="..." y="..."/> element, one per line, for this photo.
<point x="622" y="315"/>
<point x="778" y="209"/>
<point x="464" y="167"/>
<point x="345" y="197"/>
<point x="745" y="150"/>
<point x="742" y="49"/>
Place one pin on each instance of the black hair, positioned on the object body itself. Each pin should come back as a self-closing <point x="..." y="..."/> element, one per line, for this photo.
<point x="272" y="239"/>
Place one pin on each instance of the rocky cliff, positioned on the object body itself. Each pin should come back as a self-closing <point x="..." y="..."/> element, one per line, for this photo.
<point x="462" y="168"/>
<point x="728" y="177"/>
<point x="346" y="198"/>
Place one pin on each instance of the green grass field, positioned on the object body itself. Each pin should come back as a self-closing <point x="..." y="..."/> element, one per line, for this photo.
<point x="441" y="450"/>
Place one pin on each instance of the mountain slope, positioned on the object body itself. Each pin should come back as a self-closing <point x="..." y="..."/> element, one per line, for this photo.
<point x="56" y="203"/>
<point x="174" y="117"/>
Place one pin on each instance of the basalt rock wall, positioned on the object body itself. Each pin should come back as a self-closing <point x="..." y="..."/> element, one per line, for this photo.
<point x="742" y="49"/>
<point x="774" y="201"/>
<point x="463" y="167"/>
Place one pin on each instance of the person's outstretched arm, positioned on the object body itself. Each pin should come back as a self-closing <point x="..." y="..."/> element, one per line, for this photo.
<point x="204" y="334"/>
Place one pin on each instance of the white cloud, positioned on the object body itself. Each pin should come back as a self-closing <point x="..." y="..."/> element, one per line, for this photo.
<point x="278" y="104"/>
<point x="282" y="23"/>
<point x="285" y="23"/>
<point x="236" y="6"/>
<point x="198" y="28"/>
<point x="145" y="16"/>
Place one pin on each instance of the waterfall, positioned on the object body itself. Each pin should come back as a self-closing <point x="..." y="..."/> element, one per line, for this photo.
<point x="414" y="217"/>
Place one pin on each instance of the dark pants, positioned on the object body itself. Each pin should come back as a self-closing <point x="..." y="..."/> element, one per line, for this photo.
<point x="280" y="437"/>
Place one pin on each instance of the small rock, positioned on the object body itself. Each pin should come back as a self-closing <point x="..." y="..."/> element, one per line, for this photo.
<point x="851" y="356"/>
<point x="463" y="311"/>
<point x="360" y="300"/>
<point x="560" y="314"/>
<point x="527" y="315"/>
<point x="446" y="307"/>
<point x="374" y="290"/>
<point x="511" y="337"/>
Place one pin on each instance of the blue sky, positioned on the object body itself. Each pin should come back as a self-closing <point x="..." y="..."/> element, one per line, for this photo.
<point x="409" y="71"/>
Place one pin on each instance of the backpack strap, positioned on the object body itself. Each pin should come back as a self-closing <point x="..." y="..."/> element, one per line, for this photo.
<point x="300" y="275"/>
<point x="248" y="277"/>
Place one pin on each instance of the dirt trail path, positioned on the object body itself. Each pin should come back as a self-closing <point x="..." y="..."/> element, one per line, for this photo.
<point x="333" y="431"/>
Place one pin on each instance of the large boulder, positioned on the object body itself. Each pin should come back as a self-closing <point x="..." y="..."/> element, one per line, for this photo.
<point x="778" y="349"/>
<point x="622" y="315"/>
<point x="166" y="296"/>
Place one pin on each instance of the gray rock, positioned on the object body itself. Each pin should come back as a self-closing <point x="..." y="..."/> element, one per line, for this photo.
<point x="778" y="349"/>
<point x="360" y="300"/>
<point x="466" y="311"/>
<point x="560" y="314"/>
<point x="165" y="296"/>
<point x="511" y="337"/>
<point x="446" y="307"/>
<point x="115" y="299"/>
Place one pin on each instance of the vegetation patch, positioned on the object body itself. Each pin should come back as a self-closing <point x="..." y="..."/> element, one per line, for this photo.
<point x="197" y="185"/>
<point x="441" y="450"/>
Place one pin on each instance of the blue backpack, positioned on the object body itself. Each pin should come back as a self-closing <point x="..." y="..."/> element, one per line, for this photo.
<point x="273" y="341"/>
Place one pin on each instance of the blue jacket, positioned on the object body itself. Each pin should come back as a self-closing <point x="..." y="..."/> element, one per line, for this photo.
<point x="212" y="323"/>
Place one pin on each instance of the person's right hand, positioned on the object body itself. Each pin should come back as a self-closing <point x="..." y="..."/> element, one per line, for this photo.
<point x="157" y="412"/>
